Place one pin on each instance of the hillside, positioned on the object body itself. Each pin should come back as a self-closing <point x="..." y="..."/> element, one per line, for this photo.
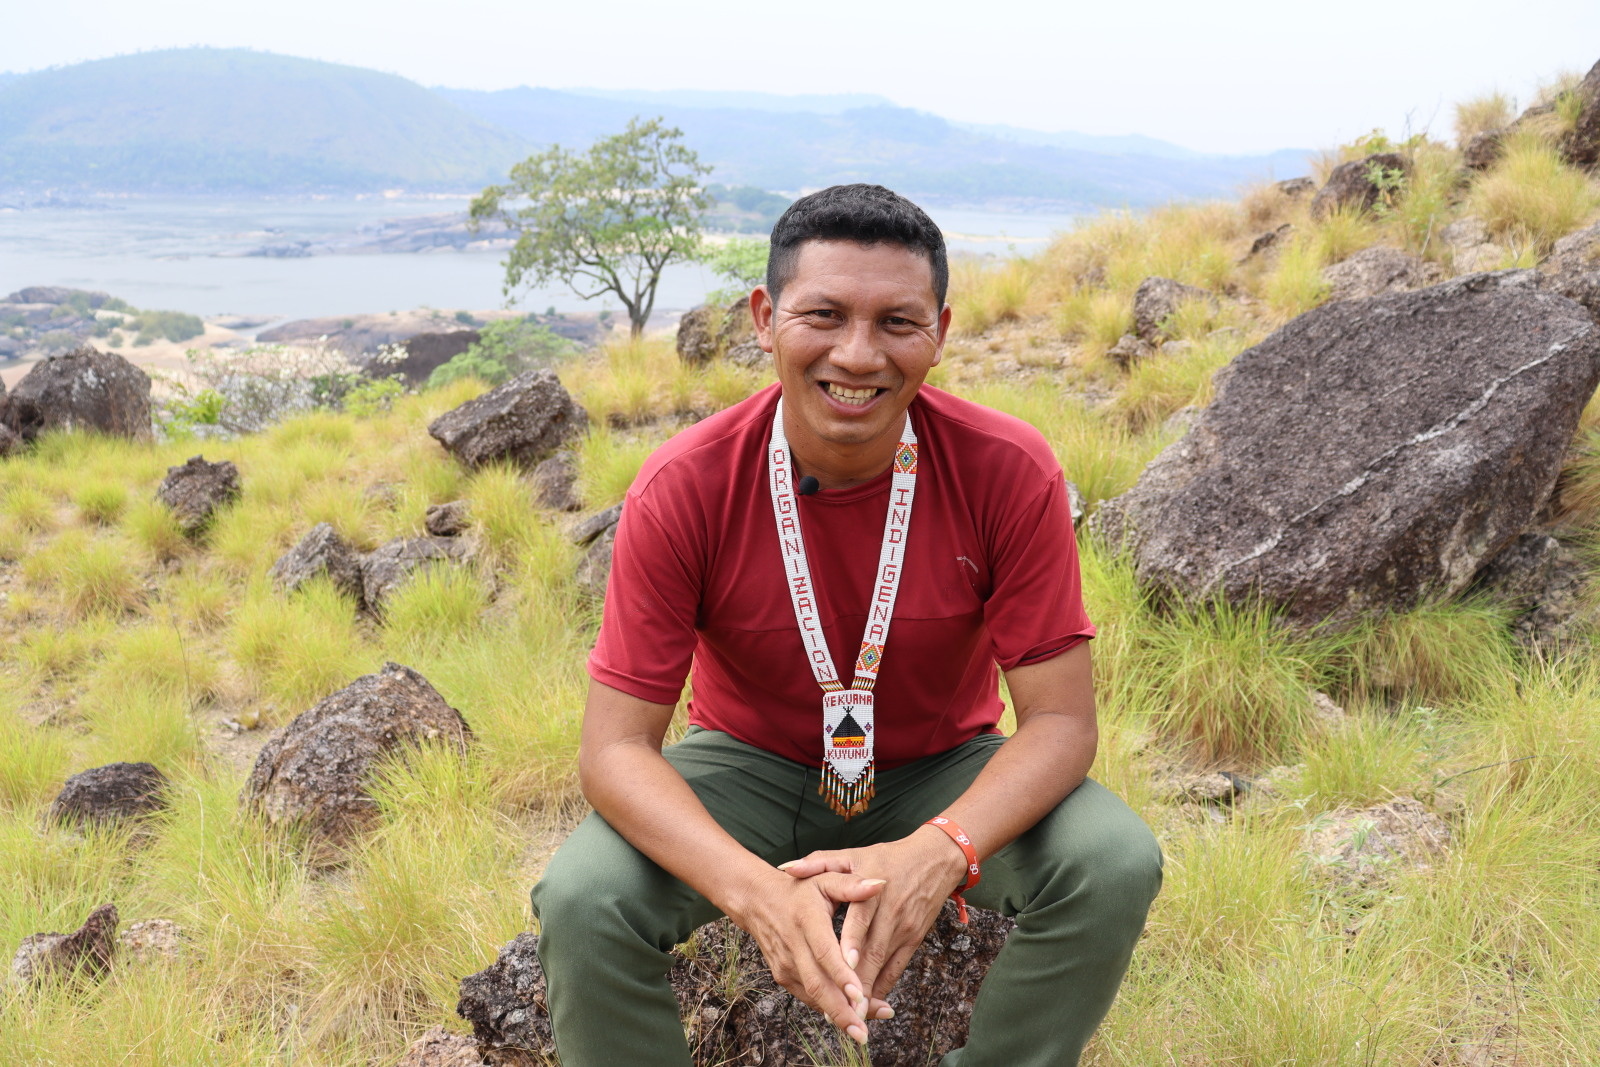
<point x="212" y="120"/>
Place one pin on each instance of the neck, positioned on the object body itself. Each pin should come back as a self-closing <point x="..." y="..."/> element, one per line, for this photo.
<point x="841" y="467"/>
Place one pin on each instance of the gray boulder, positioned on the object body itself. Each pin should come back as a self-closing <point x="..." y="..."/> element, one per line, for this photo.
<point x="706" y="333"/>
<point x="425" y="353"/>
<point x="1483" y="150"/>
<point x="1580" y="145"/>
<point x="10" y="441"/>
<point x="197" y="490"/>
<point x="522" y="421"/>
<point x="1472" y="250"/>
<point x="1157" y="299"/>
<point x="438" y="1047"/>
<point x="1544" y="581"/>
<point x="555" y="482"/>
<point x="597" y="535"/>
<point x="697" y="338"/>
<point x="388" y="567"/>
<point x="320" y="552"/>
<point x="1351" y="184"/>
<point x="102" y="796"/>
<point x="84" y="953"/>
<point x="1130" y="350"/>
<point x="82" y="390"/>
<point x="1377" y="270"/>
<point x="314" y="772"/>
<point x="1369" y="454"/>
<point x="746" y="1017"/>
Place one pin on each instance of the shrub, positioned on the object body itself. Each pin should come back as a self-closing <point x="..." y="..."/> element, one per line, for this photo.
<point x="742" y="261"/>
<point x="101" y="503"/>
<point x="1483" y="114"/>
<point x="167" y="325"/>
<point x="504" y="350"/>
<point x="1531" y="197"/>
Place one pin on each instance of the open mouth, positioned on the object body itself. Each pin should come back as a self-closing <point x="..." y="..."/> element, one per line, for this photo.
<point x="848" y="396"/>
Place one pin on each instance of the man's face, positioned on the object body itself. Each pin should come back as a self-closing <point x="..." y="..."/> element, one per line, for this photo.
<point x="854" y="333"/>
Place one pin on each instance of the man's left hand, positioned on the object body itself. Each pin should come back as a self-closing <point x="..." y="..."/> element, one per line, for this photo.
<point x="881" y="934"/>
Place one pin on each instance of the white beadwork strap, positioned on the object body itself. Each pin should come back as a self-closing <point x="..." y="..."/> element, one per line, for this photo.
<point x="797" y="569"/>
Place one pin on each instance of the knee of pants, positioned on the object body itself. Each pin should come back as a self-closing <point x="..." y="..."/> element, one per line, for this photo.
<point x="1115" y="870"/>
<point x="584" y="906"/>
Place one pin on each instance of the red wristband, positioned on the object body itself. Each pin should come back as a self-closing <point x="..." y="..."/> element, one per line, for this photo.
<point x="959" y="836"/>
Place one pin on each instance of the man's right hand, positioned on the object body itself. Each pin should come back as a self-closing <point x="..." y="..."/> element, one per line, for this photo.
<point x="792" y="920"/>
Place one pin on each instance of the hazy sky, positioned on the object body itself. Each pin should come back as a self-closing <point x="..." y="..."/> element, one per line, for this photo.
<point x="1221" y="76"/>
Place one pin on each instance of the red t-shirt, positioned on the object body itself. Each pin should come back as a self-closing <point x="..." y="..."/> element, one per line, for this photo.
<point x="991" y="578"/>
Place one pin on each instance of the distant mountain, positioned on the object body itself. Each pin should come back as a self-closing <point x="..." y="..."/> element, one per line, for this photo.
<point x="221" y="120"/>
<point x="820" y="103"/>
<point x="213" y="120"/>
<point x="918" y="153"/>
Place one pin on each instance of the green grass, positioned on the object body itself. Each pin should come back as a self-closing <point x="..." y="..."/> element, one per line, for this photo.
<point x="1531" y="198"/>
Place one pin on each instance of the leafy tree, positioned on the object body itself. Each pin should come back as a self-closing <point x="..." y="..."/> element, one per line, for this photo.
<point x="742" y="261"/>
<point x="604" y="221"/>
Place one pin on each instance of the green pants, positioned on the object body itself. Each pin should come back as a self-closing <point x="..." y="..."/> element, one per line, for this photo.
<point x="1079" y="885"/>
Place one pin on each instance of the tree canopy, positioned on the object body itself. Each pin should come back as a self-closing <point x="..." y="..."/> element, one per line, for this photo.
<point x="607" y="220"/>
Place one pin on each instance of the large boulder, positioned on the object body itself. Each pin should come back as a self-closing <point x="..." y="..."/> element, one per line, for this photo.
<point x="697" y="337"/>
<point x="314" y="772"/>
<point x="735" y="1013"/>
<point x="708" y="333"/>
<point x="1377" y="270"/>
<point x="523" y="421"/>
<point x="417" y="357"/>
<point x="389" y="566"/>
<point x="82" y="390"/>
<point x="84" y="953"/>
<point x="320" y="552"/>
<point x="1157" y="300"/>
<point x="1352" y="185"/>
<point x="197" y="490"/>
<point x="1369" y="454"/>
<point x="102" y="796"/>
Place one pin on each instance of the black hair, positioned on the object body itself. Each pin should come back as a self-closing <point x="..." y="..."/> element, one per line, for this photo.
<point x="862" y="213"/>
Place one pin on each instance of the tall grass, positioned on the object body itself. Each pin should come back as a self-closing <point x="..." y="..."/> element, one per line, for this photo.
<point x="1531" y="197"/>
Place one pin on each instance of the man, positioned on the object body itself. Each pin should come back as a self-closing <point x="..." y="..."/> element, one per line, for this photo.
<point x="848" y="516"/>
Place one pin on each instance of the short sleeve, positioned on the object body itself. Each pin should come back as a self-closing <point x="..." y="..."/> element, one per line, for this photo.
<point x="1035" y="609"/>
<point x="647" y="631"/>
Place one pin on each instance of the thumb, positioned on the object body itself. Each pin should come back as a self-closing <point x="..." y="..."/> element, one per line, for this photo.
<point x="848" y="888"/>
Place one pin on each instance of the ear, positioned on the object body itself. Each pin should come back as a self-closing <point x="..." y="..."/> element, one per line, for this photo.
<point x="761" y="309"/>
<point x="944" y="332"/>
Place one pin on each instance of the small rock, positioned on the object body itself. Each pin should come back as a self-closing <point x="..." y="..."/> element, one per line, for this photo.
<point x="152" y="941"/>
<point x="1271" y="240"/>
<point x="1179" y="785"/>
<point x="440" y="1048"/>
<point x="555" y="482"/>
<point x="1575" y="253"/>
<point x="1325" y="713"/>
<point x="1378" y="270"/>
<point x="388" y="567"/>
<point x="595" y="525"/>
<point x="1076" y="504"/>
<point x="1360" y="847"/>
<point x="447" y="520"/>
<point x="1295" y="188"/>
<point x="85" y="952"/>
<point x="1129" y="350"/>
<point x="522" y="421"/>
<point x="101" y="796"/>
<point x="1351" y="185"/>
<point x="320" y="552"/>
<point x="385" y="495"/>
<point x="1157" y="300"/>
<point x="1546" y="582"/>
<point x="314" y="771"/>
<point x="10" y="441"/>
<point x="1471" y="249"/>
<point x="197" y="490"/>
<point x="1484" y="150"/>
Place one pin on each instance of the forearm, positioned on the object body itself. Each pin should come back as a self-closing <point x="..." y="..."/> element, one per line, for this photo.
<point x="646" y="800"/>
<point x="1048" y="757"/>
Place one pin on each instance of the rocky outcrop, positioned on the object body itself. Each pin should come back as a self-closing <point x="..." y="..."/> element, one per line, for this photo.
<point x="197" y="490"/>
<point x="1483" y="150"/>
<point x="320" y="552"/>
<point x="1351" y="185"/>
<point x="84" y="953"/>
<point x="152" y="941"/>
<point x="1157" y="300"/>
<point x="707" y="333"/>
<point x="10" y="441"/>
<point x="314" y="771"/>
<point x="1369" y="454"/>
<point x="555" y="482"/>
<point x="1573" y="268"/>
<point x="1472" y="250"/>
<point x="440" y="1048"/>
<point x="422" y="354"/>
<point x="1295" y="188"/>
<point x="746" y="1017"/>
<point x="522" y="421"/>
<point x="58" y="294"/>
<point x="1377" y="270"/>
<point x="102" y="796"/>
<point x="1578" y="143"/>
<point x="447" y="520"/>
<point x="1269" y="242"/>
<point x="82" y="390"/>
<point x="597" y="534"/>
<point x="1543" y="580"/>
<point x="388" y="567"/>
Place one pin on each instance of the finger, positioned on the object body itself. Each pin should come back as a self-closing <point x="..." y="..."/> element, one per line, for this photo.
<point x="817" y="863"/>
<point x="847" y="888"/>
<point x="879" y="1009"/>
<point x="883" y="982"/>
<point x="845" y="1002"/>
<point x="857" y="920"/>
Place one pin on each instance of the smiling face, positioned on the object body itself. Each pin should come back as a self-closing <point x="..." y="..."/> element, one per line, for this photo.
<point x="855" y="331"/>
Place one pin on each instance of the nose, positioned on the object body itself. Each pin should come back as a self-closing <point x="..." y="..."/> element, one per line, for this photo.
<point x="857" y="351"/>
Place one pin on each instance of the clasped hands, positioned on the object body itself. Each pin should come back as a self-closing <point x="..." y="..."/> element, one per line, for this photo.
<point x="893" y="890"/>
